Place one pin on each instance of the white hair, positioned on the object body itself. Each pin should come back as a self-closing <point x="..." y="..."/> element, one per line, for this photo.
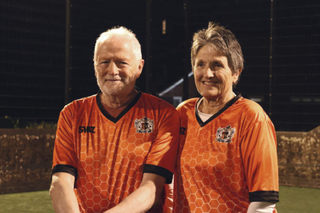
<point x="119" y="31"/>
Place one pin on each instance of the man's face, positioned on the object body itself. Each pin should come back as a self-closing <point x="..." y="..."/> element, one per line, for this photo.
<point x="117" y="67"/>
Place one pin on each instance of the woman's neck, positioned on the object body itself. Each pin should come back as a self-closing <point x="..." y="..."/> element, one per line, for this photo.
<point x="210" y="106"/>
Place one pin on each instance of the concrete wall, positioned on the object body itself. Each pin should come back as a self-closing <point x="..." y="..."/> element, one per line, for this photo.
<point x="26" y="158"/>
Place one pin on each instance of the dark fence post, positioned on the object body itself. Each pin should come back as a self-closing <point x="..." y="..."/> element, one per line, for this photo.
<point x="271" y="59"/>
<point x="186" y="52"/>
<point x="148" y="47"/>
<point x="67" y="49"/>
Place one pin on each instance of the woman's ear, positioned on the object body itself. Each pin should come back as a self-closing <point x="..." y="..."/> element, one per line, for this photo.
<point x="236" y="76"/>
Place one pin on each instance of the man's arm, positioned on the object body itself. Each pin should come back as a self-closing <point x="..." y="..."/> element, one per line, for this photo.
<point x="62" y="195"/>
<point x="144" y="197"/>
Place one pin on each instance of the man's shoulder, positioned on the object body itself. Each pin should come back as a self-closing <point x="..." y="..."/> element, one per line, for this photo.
<point x="81" y="103"/>
<point x="156" y="101"/>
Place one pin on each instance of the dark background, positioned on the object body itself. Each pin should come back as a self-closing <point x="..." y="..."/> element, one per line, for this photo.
<point x="46" y="51"/>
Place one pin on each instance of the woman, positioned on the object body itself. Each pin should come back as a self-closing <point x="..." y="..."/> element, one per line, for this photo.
<point x="227" y="157"/>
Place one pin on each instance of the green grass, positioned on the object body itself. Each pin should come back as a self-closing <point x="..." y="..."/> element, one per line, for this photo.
<point x="298" y="200"/>
<point x="35" y="202"/>
<point x="292" y="200"/>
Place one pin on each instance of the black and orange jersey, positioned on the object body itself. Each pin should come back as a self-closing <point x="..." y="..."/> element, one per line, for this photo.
<point x="226" y="162"/>
<point x="107" y="155"/>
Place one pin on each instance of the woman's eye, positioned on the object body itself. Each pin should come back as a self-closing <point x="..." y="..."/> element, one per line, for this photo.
<point x="218" y="65"/>
<point x="200" y="64"/>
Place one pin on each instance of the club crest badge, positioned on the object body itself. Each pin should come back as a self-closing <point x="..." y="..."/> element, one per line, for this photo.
<point x="144" y="125"/>
<point x="224" y="135"/>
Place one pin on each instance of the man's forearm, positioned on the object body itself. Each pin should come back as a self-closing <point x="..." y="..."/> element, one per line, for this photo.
<point x="140" y="200"/>
<point x="63" y="198"/>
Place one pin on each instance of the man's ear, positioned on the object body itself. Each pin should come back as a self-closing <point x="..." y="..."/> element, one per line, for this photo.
<point x="140" y="67"/>
<point x="95" y="68"/>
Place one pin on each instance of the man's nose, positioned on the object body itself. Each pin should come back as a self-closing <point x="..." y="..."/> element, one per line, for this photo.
<point x="113" y="69"/>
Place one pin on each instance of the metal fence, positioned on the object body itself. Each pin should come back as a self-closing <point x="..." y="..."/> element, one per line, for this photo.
<point x="47" y="50"/>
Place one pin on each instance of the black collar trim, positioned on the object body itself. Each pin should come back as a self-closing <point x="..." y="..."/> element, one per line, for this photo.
<point x="109" y="117"/>
<point x="201" y="123"/>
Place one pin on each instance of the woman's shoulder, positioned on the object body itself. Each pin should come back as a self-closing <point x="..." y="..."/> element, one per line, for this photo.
<point x="251" y="109"/>
<point x="187" y="104"/>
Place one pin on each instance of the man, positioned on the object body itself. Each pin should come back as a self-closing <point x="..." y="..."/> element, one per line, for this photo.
<point x="114" y="151"/>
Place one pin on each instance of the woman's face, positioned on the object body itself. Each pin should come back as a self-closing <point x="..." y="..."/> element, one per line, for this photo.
<point x="213" y="77"/>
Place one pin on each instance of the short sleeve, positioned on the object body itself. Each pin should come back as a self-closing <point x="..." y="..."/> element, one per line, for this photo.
<point x="162" y="156"/>
<point x="64" y="153"/>
<point x="259" y="154"/>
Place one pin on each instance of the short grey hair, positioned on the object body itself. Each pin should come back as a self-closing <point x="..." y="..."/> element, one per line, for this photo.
<point x="222" y="40"/>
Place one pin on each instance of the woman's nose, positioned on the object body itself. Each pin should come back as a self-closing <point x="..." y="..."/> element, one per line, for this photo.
<point x="209" y="72"/>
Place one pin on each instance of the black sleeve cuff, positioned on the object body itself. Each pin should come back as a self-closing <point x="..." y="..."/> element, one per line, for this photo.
<point x="148" y="168"/>
<point x="66" y="168"/>
<point x="267" y="196"/>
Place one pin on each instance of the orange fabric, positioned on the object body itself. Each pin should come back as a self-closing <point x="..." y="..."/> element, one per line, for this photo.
<point x="225" y="159"/>
<point x="110" y="158"/>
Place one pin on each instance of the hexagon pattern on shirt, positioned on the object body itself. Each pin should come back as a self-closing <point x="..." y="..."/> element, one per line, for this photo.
<point x="225" y="158"/>
<point x="105" y="166"/>
<point x="212" y="172"/>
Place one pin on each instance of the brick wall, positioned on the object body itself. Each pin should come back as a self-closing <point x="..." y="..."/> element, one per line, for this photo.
<point x="26" y="158"/>
<point x="299" y="158"/>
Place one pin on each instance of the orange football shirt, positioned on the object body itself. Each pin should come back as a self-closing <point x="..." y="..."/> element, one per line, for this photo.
<point x="107" y="155"/>
<point x="226" y="162"/>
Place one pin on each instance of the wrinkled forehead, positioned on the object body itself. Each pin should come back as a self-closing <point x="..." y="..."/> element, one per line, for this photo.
<point x="117" y="42"/>
<point x="214" y="47"/>
<point x="209" y="50"/>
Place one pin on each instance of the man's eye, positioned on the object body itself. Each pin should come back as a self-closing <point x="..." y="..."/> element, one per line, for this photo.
<point x="104" y="62"/>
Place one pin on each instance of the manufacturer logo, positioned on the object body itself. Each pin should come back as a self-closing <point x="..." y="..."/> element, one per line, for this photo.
<point x="86" y="129"/>
<point x="183" y="130"/>
<point x="144" y="125"/>
<point x="224" y="135"/>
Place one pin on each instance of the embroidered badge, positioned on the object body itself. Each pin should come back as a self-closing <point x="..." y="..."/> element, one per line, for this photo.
<point x="144" y="125"/>
<point x="224" y="135"/>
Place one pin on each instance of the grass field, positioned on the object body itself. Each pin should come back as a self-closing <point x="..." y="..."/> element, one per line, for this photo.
<point x="292" y="200"/>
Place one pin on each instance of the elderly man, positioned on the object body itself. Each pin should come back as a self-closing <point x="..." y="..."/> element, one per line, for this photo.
<point x="114" y="151"/>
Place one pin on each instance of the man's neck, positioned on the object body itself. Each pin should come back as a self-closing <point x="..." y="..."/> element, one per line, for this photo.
<point x="114" y="105"/>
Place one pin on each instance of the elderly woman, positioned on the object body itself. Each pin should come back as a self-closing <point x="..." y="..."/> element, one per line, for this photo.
<point x="227" y="158"/>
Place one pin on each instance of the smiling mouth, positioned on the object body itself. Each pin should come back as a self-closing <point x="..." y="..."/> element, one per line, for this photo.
<point x="209" y="82"/>
<point x="112" y="80"/>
